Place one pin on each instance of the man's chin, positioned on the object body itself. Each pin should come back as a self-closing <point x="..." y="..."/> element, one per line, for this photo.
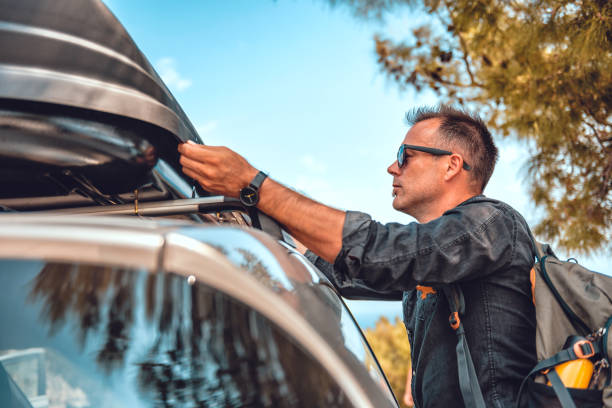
<point x="400" y="206"/>
<point x="396" y="204"/>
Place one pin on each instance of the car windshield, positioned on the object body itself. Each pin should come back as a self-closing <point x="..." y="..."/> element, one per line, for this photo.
<point x="81" y="335"/>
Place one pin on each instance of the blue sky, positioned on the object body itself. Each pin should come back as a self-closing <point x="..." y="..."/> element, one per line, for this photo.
<point x="293" y="85"/>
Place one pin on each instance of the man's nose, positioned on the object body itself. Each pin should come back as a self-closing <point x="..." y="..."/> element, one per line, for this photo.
<point x="393" y="169"/>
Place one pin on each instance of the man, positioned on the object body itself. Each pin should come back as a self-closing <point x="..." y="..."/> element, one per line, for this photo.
<point x="442" y="167"/>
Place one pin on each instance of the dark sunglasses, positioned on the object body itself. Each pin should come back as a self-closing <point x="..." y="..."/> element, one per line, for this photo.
<point x="401" y="153"/>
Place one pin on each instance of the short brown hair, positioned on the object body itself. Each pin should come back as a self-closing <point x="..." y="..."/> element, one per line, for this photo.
<point x="466" y="130"/>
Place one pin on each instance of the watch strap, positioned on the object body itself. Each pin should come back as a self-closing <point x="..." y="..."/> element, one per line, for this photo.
<point x="257" y="180"/>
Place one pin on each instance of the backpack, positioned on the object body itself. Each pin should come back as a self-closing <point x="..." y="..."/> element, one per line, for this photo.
<point x="573" y="308"/>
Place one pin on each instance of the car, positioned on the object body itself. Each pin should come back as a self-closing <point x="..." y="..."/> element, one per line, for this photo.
<point x="122" y="282"/>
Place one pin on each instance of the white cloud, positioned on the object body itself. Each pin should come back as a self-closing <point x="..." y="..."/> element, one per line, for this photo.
<point x="166" y="67"/>
<point x="312" y="164"/>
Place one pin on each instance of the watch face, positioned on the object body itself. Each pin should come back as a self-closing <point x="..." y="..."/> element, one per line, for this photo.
<point x="249" y="196"/>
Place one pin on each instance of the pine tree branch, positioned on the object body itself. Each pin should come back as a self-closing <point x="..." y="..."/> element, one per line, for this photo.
<point x="606" y="185"/>
<point x="596" y="133"/>
<point x="440" y="80"/>
<point x="467" y="63"/>
<point x="601" y="121"/>
<point x="553" y="15"/>
<point x="463" y="46"/>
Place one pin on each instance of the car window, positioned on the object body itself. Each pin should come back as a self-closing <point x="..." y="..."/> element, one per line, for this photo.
<point x="97" y="336"/>
<point x="350" y="335"/>
<point x="355" y="341"/>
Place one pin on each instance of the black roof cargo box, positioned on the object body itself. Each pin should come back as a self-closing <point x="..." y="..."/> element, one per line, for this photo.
<point x="78" y="97"/>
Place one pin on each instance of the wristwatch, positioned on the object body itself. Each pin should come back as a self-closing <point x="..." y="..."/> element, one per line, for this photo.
<point x="249" y="196"/>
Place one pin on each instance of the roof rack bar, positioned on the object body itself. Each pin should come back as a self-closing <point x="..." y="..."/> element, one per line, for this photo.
<point x="259" y="219"/>
<point x="159" y="208"/>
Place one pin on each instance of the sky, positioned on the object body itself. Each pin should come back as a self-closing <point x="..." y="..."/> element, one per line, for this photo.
<point x="293" y="86"/>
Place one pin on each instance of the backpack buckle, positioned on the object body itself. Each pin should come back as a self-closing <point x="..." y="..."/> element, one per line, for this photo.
<point x="454" y="320"/>
<point x="584" y="349"/>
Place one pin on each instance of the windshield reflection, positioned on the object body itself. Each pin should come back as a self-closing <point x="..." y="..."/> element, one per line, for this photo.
<point x="118" y="337"/>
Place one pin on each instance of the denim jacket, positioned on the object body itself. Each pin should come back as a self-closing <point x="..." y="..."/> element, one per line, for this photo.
<point x="482" y="244"/>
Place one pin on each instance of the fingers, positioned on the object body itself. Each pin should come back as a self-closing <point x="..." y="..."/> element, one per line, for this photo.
<point x="209" y="184"/>
<point x="192" y="174"/>
<point x="192" y="165"/>
<point x="202" y="160"/>
<point x="201" y="173"/>
<point x="192" y="160"/>
<point x="193" y="150"/>
<point x="216" y="168"/>
<point x="215" y="156"/>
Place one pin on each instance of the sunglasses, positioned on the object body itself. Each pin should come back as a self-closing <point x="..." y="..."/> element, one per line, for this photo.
<point x="401" y="153"/>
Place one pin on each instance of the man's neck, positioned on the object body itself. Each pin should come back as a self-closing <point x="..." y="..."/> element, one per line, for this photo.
<point x="442" y="205"/>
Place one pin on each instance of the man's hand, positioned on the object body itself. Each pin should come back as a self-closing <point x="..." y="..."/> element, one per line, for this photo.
<point x="408" y="392"/>
<point x="218" y="169"/>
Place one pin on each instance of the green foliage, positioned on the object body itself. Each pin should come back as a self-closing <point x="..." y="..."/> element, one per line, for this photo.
<point x="390" y="344"/>
<point x="537" y="70"/>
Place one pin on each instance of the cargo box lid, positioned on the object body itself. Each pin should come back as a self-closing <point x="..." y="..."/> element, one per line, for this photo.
<point x="79" y="99"/>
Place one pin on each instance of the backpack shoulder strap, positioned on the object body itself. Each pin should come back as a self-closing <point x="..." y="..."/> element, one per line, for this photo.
<point x="468" y="381"/>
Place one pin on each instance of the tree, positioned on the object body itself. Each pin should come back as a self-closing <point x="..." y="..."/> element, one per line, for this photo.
<point x="536" y="70"/>
<point x="390" y="344"/>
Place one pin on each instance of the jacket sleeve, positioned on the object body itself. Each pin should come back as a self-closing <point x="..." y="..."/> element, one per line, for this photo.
<point x="463" y="244"/>
<point x="348" y="289"/>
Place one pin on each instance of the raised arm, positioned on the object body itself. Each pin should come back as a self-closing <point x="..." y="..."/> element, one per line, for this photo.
<point x="220" y="170"/>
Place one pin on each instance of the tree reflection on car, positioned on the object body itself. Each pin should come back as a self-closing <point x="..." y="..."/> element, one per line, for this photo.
<point x="205" y="346"/>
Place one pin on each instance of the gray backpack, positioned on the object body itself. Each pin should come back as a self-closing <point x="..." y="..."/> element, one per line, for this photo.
<point x="573" y="317"/>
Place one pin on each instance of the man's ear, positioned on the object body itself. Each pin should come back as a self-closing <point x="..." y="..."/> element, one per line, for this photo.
<point x="454" y="165"/>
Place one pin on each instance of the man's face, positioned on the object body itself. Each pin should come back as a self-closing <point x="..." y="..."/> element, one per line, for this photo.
<point x="419" y="181"/>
